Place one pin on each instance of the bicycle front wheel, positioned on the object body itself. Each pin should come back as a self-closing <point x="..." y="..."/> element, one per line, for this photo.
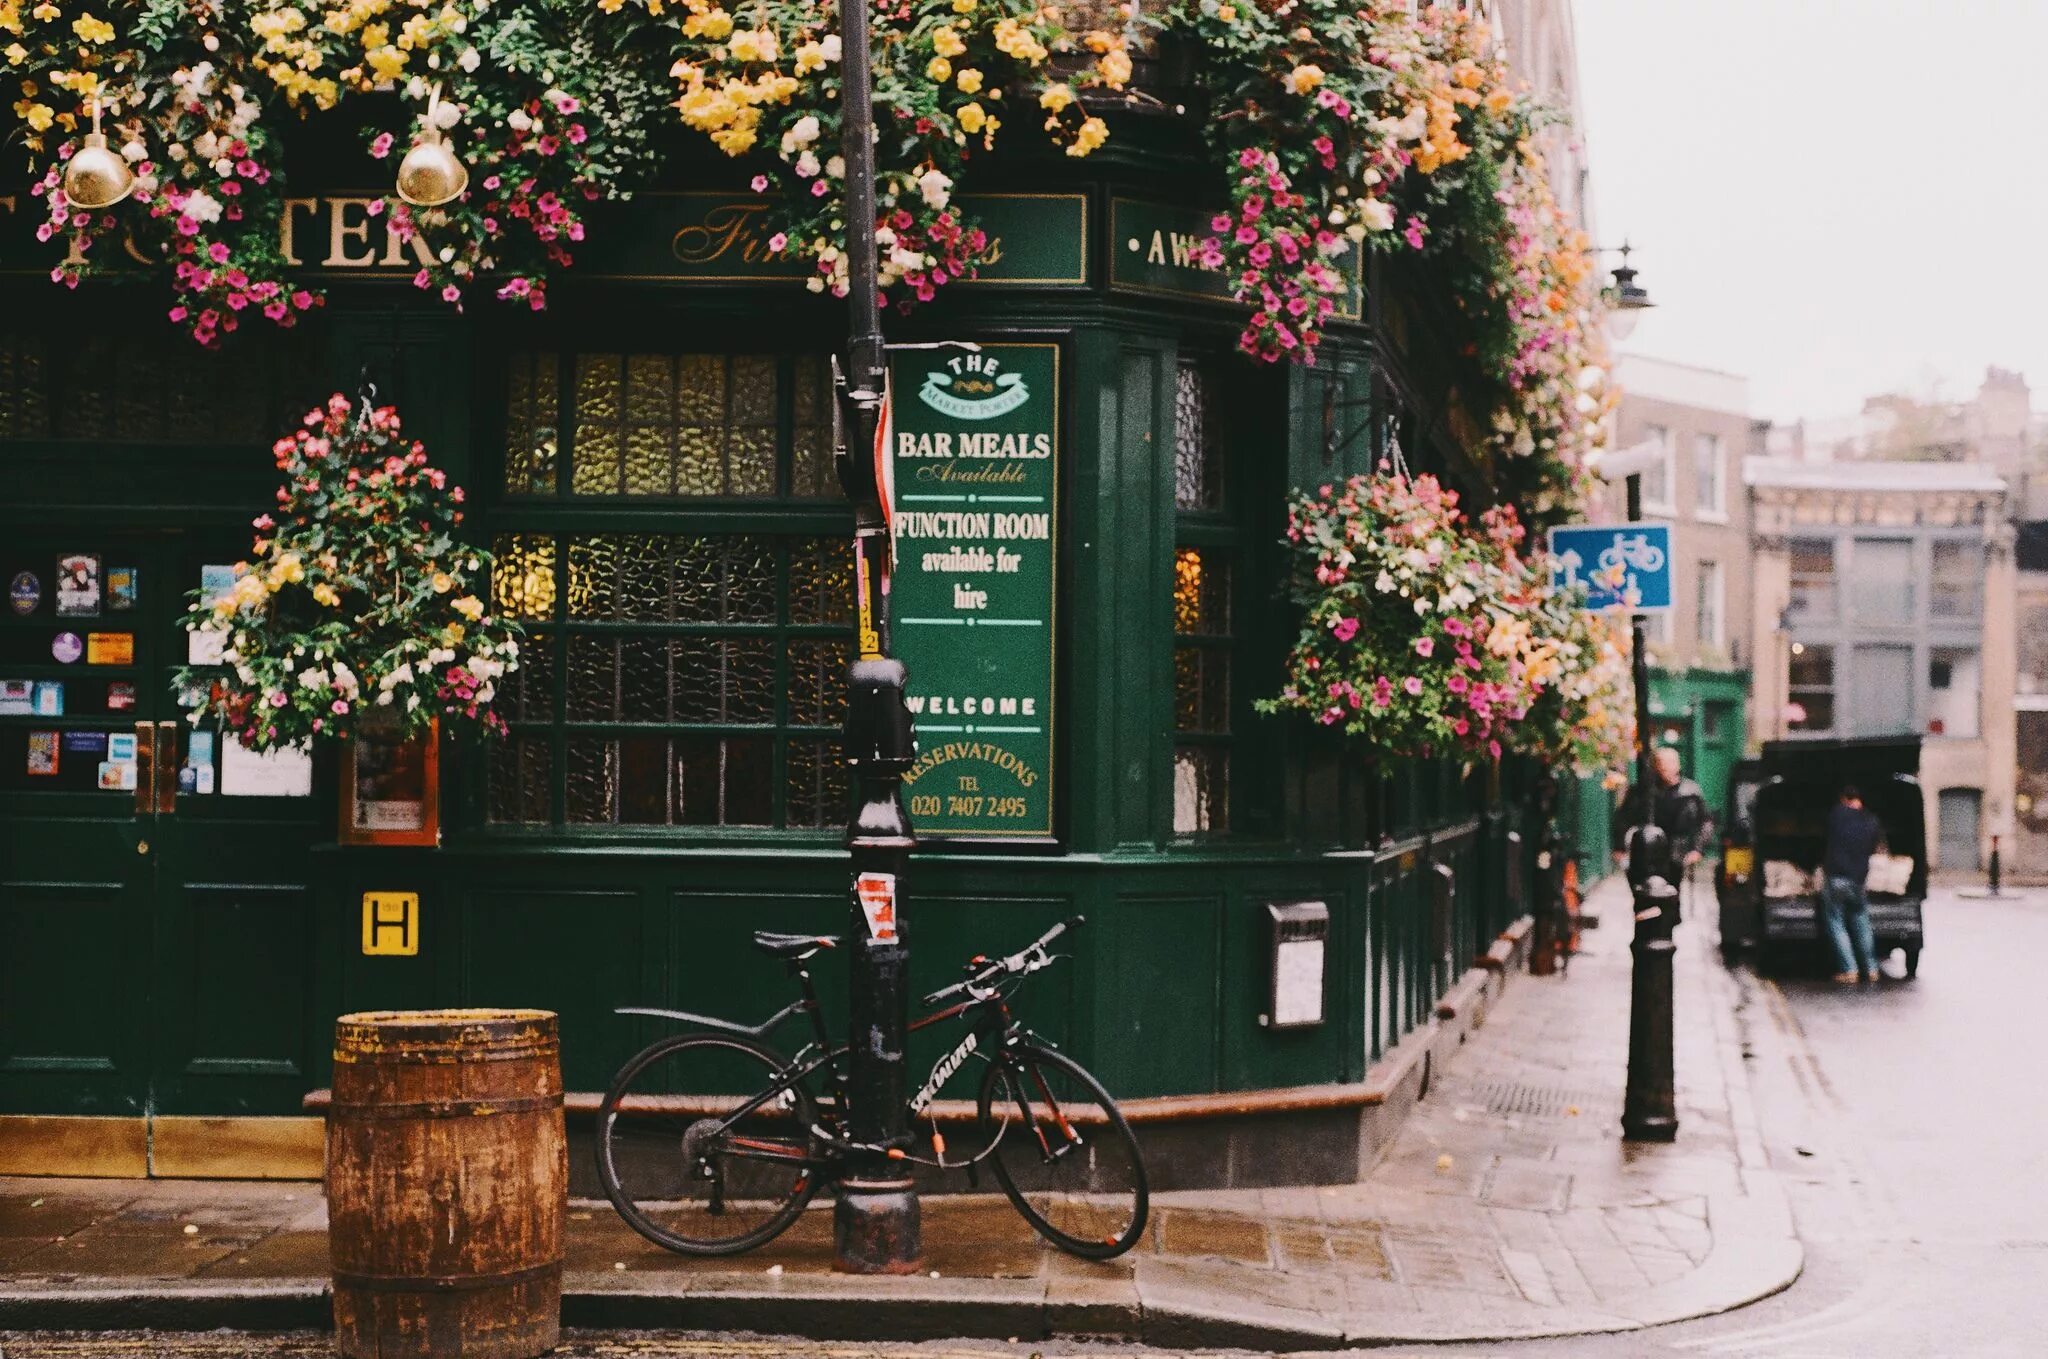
<point x="704" y="1148"/>
<point x="1063" y="1152"/>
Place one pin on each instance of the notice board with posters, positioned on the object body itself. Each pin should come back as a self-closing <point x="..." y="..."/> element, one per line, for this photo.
<point x="976" y="519"/>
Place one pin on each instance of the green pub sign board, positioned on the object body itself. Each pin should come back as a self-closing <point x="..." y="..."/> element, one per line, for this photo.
<point x="976" y="449"/>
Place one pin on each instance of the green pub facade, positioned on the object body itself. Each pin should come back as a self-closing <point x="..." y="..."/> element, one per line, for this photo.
<point x="1090" y="490"/>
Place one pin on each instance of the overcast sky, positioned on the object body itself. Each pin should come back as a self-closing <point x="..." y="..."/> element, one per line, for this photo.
<point x="1832" y="198"/>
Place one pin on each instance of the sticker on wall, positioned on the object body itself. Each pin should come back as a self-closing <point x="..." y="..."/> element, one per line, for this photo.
<point x="78" y="586"/>
<point x="121" y="588"/>
<point x="49" y="698"/>
<point x="282" y="772"/>
<point x="17" y="698"/>
<point x="67" y="647"/>
<point x="120" y="696"/>
<point x="121" y="747"/>
<point x="110" y="648"/>
<point x="877" y="895"/>
<point x="117" y="776"/>
<point x="93" y="743"/>
<point x="199" y="759"/>
<point x="42" y="752"/>
<point x="25" y="593"/>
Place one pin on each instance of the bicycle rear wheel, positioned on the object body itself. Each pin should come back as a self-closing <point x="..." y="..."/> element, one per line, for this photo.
<point x="689" y="1158"/>
<point x="1063" y="1152"/>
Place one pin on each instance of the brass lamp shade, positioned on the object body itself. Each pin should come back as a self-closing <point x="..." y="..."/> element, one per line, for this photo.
<point x="431" y="173"/>
<point x="96" y="177"/>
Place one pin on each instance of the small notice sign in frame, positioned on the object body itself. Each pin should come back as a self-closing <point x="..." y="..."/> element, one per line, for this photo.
<point x="391" y="789"/>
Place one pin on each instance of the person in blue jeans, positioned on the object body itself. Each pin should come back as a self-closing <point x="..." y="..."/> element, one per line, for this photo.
<point x="1853" y="835"/>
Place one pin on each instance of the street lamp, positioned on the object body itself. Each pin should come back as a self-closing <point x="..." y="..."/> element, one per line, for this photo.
<point x="876" y="1223"/>
<point x="1626" y="299"/>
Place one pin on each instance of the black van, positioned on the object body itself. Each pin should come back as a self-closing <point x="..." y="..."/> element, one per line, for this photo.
<point x="1791" y="788"/>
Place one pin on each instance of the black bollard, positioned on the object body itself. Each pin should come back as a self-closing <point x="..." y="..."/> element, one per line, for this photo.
<point x="1650" y="1107"/>
<point x="1546" y="906"/>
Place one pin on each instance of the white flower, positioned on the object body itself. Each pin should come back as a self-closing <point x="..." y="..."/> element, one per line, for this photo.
<point x="829" y="44"/>
<point x="206" y="144"/>
<point x="486" y="694"/>
<point x="906" y="260"/>
<point x="801" y="133"/>
<point x="384" y="699"/>
<point x="1385" y="584"/>
<point x="439" y="655"/>
<point x="807" y="164"/>
<point x="836" y="167"/>
<point x="1378" y="215"/>
<point x="224" y="167"/>
<point x="412" y="703"/>
<point x="312" y="679"/>
<point x="402" y="675"/>
<point x="518" y="121"/>
<point x="200" y="208"/>
<point x="133" y="151"/>
<point x="935" y="186"/>
<point x="447" y="114"/>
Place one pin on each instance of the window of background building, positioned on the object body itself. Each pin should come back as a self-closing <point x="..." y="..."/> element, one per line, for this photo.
<point x="1709" y="604"/>
<point x="1881" y="582"/>
<point x="1812" y="675"/>
<point x="1203" y="626"/>
<point x="1956" y="580"/>
<point x="1954" y="685"/>
<point x="1657" y="477"/>
<point x="1710" y="478"/>
<point x="1813" y="579"/>
<point x="671" y="678"/>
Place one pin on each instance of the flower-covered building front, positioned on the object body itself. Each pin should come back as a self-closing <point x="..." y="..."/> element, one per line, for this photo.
<point x="1148" y="688"/>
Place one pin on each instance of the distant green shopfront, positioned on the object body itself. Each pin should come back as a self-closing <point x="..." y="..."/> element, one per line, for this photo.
<point x="1089" y="507"/>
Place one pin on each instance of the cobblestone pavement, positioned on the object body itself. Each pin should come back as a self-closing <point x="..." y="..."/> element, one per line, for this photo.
<point x="1508" y="1206"/>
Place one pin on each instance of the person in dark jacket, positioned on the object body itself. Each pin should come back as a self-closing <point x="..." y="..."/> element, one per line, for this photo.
<point x="1853" y="835"/>
<point x="1679" y="809"/>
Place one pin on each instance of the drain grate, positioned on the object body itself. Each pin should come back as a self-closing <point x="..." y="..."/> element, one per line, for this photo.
<point x="1521" y="1100"/>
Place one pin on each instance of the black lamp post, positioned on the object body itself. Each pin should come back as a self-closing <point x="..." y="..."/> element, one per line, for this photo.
<point x="876" y="1222"/>
<point x="1650" y="1104"/>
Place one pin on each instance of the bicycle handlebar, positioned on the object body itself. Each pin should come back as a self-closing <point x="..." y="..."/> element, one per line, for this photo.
<point x="1026" y="959"/>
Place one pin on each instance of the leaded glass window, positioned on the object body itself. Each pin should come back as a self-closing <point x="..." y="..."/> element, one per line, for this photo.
<point x="1203" y="626"/>
<point x="683" y="667"/>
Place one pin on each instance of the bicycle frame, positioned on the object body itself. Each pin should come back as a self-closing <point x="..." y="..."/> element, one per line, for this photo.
<point x="991" y="1014"/>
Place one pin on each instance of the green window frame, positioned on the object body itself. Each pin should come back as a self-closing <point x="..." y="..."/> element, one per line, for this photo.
<point x="668" y="531"/>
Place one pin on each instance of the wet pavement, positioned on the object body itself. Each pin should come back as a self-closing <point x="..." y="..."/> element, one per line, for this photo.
<point x="1508" y="1206"/>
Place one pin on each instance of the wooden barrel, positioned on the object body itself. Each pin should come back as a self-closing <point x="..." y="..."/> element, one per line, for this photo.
<point x="447" y="1181"/>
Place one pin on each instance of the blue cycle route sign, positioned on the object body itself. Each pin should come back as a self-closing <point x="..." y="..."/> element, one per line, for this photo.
<point x="1622" y="566"/>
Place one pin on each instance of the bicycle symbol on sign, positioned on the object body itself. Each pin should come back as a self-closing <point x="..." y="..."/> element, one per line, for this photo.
<point x="1636" y="553"/>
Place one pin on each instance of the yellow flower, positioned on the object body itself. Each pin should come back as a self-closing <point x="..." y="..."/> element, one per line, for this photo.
<point x="1304" y="78"/>
<point x="286" y="570"/>
<point x="89" y="29"/>
<point x="470" y="607"/>
<point x="713" y="24"/>
<point x="1228" y="14"/>
<point x="939" y="69"/>
<point x="810" y="57"/>
<point x="963" y="6"/>
<point x="443" y="582"/>
<point x="973" y="117"/>
<point x="969" y="81"/>
<point x="46" y="11"/>
<point x="326" y="594"/>
<point x="610" y="6"/>
<point x="948" y="43"/>
<point x="376" y="35"/>
<point x="387" y="62"/>
<point x="1115" y="66"/>
<point x="754" y="45"/>
<point x="15" y="54"/>
<point x="454" y="632"/>
<point x="1497" y="103"/>
<point x="1056" y="98"/>
<point x="1013" y="40"/>
<point x="1092" y="133"/>
<point x="37" y="116"/>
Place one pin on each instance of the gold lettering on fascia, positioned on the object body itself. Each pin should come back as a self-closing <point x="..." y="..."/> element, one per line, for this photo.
<point x="1177" y="249"/>
<point x="349" y="245"/>
<point x="731" y="233"/>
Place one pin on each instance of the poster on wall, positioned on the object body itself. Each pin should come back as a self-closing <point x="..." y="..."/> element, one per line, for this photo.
<point x="282" y="772"/>
<point x="78" y="586"/>
<point x="976" y="452"/>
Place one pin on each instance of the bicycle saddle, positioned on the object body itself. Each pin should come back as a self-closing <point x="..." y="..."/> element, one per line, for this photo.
<point x="792" y="945"/>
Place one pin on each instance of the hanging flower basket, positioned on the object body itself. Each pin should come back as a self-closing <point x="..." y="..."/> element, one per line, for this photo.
<point x="1425" y="634"/>
<point x="358" y="603"/>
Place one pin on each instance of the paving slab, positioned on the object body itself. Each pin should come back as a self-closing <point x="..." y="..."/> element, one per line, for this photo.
<point x="1507" y="1207"/>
